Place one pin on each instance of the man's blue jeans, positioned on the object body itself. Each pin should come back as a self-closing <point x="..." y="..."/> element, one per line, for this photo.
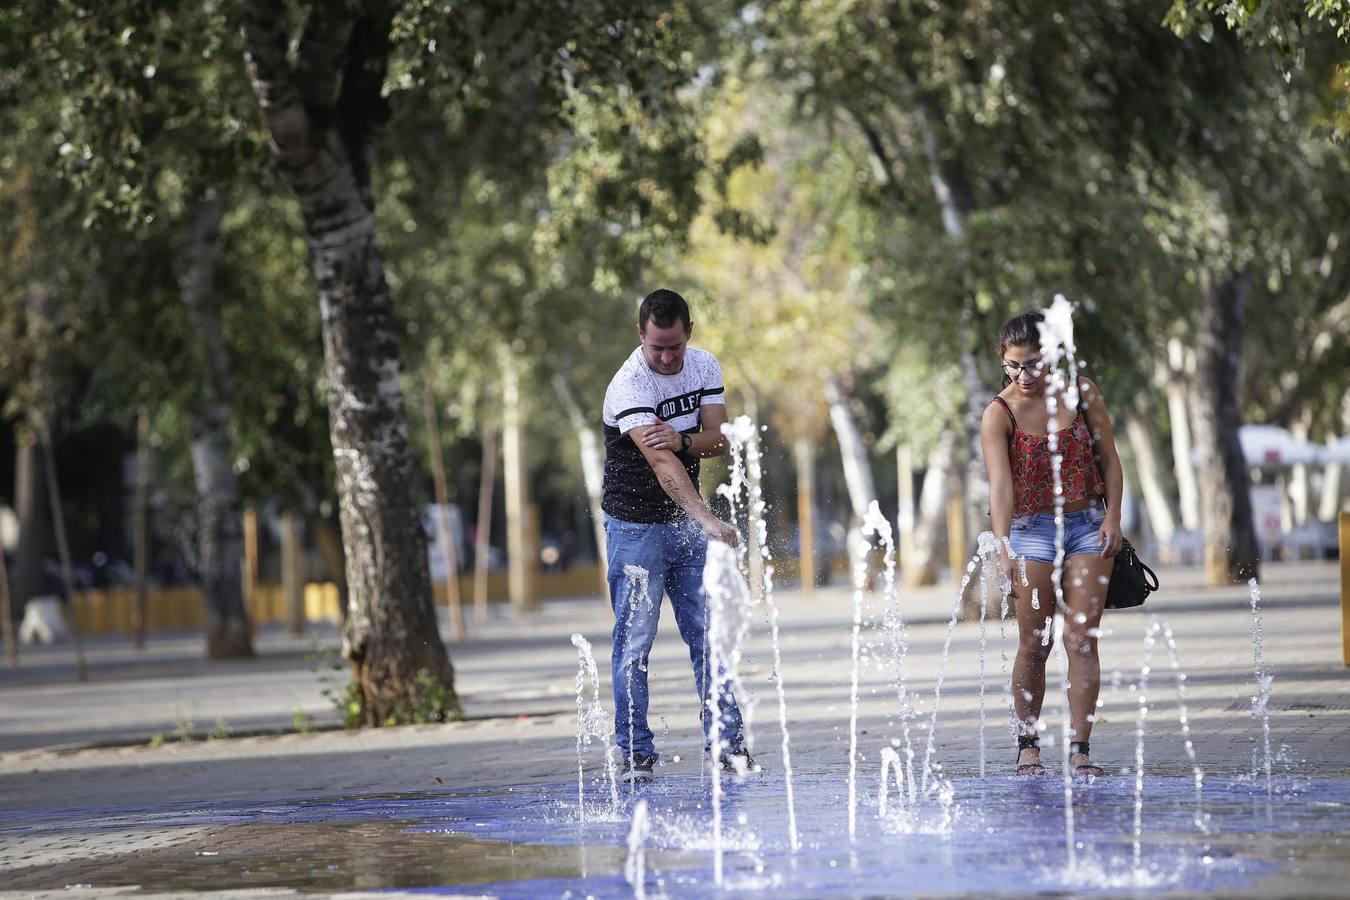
<point x="673" y="556"/>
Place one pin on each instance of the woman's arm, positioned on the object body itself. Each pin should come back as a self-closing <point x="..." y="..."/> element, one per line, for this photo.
<point x="995" y="431"/>
<point x="1113" y="475"/>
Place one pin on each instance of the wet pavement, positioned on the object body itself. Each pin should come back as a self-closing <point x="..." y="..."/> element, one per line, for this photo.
<point x="488" y="807"/>
<point x="996" y="835"/>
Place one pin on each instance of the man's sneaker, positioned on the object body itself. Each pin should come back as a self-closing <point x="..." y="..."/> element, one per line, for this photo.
<point x="637" y="770"/>
<point x="738" y="762"/>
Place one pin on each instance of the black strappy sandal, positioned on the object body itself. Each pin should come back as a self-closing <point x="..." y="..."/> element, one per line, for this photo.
<point x="1029" y="742"/>
<point x="1086" y="770"/>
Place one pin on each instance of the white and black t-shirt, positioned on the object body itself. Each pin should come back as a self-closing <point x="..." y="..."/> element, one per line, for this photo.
<point x="638" y="396"/>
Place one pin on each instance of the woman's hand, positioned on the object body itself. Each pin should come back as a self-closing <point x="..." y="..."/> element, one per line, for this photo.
<point x="1006" y="565"/>
<point x="1108" y="535"/>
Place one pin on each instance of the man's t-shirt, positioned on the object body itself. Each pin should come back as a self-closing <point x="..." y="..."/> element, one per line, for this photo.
<point x="638" y="396"/>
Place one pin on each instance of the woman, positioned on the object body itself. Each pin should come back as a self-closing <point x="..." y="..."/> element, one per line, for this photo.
<point x="1014" y="434"/>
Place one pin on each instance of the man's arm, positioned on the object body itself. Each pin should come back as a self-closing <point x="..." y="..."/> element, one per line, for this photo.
<point x="706" y="443"/>
<point x="674" y="480"/>
<point x="710" y="441"/>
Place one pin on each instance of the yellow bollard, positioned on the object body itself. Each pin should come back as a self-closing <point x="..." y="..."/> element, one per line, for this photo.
<point x="1345" y="588"/>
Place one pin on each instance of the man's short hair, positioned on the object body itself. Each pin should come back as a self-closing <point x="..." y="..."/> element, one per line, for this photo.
<point x="663" y="307"/>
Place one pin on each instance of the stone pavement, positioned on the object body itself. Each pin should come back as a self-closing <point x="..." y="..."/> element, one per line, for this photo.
<point x="64" y="745"/>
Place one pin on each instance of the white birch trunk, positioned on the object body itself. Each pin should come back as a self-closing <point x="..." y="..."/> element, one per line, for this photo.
<point x="852" y="450"/>
<point x="1143" y="444"/>
<point x="1180" y="369"/>
<point x="931" y="522"/>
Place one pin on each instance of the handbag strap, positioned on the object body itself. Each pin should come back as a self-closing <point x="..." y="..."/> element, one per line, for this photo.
<point x="1148" y="573"/>
<point x="1092" y="436"/>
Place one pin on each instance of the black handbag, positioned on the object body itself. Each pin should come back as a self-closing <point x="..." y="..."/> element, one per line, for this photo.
<point x="1131" y="580"/>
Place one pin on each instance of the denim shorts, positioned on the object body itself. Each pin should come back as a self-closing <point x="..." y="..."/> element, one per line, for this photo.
<point x="1034" y="536"/>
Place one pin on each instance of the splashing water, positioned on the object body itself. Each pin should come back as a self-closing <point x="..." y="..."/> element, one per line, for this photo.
<point x="859" y="582"/>
<point x="761" y="529"/>
<point x="928" y="766"/>
<point x="1065" y="732"/>
<point x="638" y="593"/>
<point x="635" y="865"/>
<point x="1156" y="626"/>
<point x="890" y="762"/>
<point x="728" y="610"/>
<point x="991" y="574"/>
<point x="1057" y="346"/>
<point x="1264" y="680"/>
<point x="893" y="623"/>
<point x="592" y="723"/>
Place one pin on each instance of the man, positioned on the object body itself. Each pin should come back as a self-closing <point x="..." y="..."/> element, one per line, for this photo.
<point x="663" y="412"/>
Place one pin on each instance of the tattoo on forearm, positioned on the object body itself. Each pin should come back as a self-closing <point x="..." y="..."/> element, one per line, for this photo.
<point x="672" y="487"/>
<point x="675" y="490"/>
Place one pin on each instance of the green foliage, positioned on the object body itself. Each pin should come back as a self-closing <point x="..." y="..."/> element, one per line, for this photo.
<point x="182" y="729"/>
<point x="350" y="705"/>
<point x="1305" y="35"/>
<point x="432" y="702"/>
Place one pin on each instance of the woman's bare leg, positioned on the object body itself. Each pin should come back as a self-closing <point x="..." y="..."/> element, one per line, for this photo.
<point x="1033" y="648"/>
<point x="1085" y="581"/>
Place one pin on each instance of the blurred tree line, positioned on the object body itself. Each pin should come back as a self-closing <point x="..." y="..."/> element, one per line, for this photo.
<point x="270" y="248"/>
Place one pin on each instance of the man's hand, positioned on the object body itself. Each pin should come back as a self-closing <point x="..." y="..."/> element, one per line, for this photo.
<point x="662" y="436"/>
<point x="718" y="530"/>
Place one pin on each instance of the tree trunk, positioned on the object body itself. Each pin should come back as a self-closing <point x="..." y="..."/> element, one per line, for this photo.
<point x="928" y="529"/>
<point x="806" y="514"/>
<point x="249" y="566"/>
<point x="1300" y="486"/>
<point x="1181" y="367"/>
<point x="329" y="544"/>
<point x="904" y="517"/>
<point x="852" y="450"/>
<point x="519" y="559"/>
<point x="141" y="528"/>
<point x="449" y="546"/>
<point x="293" y="572"/>
<point x="1143" y="438"/>
<point x="35" y="534"/>
<point x="956" y="202"/>
<point x="1329" y="502"/>
<point x="592" y="463"/>
<point x="219" y="540"/>
<point x="482" y="546"/>
<point x="322" y="116"/>
<point x="7" y="613"/>
<point x="1226" y="510"/>
<point x="63" y="551"/>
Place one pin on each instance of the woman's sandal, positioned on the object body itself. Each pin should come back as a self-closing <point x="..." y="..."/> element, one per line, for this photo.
<point x="1086" y="770"/>
<point x="1029" y="742"/>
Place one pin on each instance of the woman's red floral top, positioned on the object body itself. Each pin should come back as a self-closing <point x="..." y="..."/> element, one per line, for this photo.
<point x="1033" y="474"/>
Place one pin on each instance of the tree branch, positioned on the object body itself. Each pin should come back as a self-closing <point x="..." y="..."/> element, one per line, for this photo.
<point x="265" y="45"/>
<point x="879" y="151"/>
<point x="325" y="43"/>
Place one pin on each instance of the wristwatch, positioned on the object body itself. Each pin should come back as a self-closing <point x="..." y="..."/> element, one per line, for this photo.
<point x="685" y="443"/>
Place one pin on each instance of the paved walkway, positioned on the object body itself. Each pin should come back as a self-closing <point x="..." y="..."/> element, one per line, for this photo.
<point x="63" y="744"/>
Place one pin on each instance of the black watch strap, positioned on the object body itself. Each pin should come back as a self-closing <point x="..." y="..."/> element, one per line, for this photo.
<point x="685" y="443"/>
